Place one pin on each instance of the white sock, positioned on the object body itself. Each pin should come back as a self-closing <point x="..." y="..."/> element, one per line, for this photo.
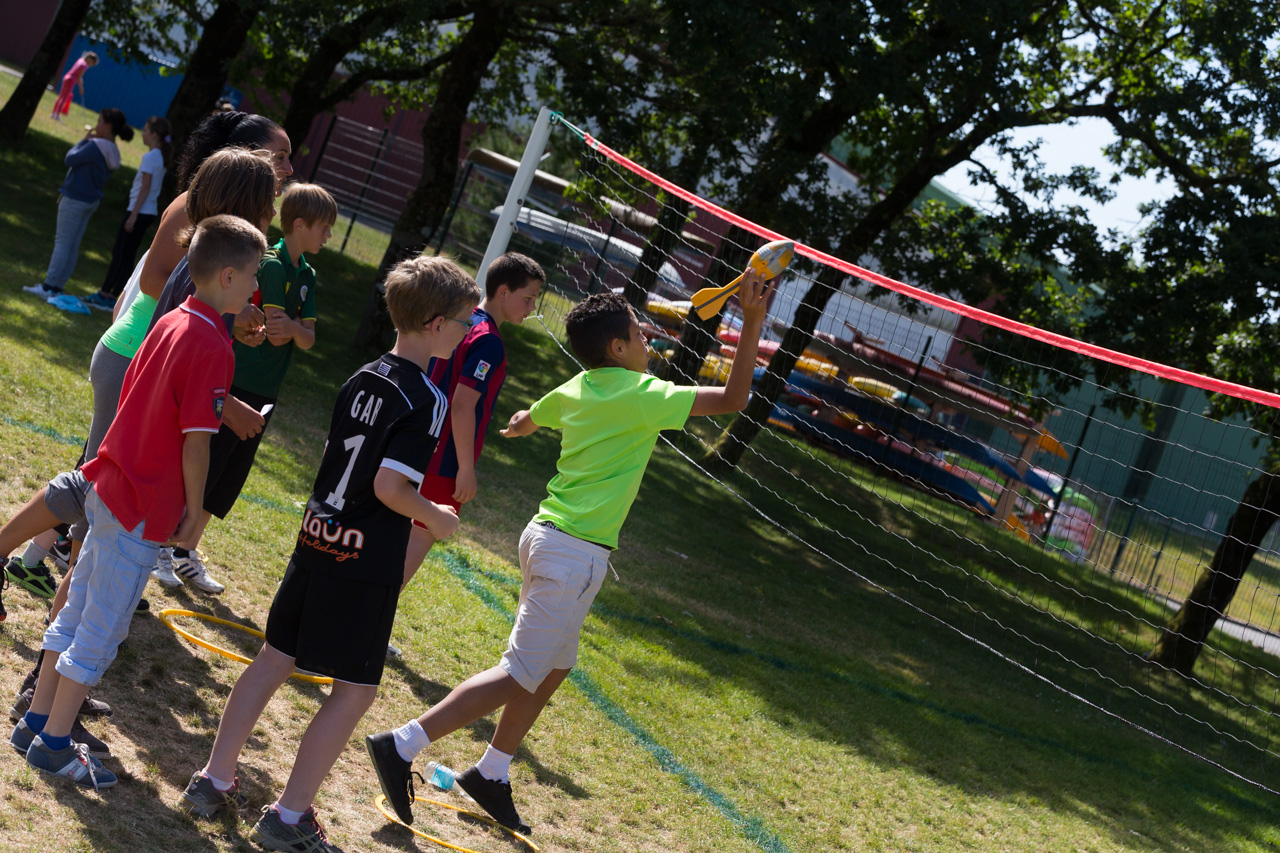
<point x="218" y="783"/>
<point x="495" y="764"/>
<point x="33" y="555"/>
<point x="289" y="816"/>
<point x="410" y="740"/>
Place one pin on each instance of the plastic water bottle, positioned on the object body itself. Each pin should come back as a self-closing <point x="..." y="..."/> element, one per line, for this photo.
<point x="439" y="775"/>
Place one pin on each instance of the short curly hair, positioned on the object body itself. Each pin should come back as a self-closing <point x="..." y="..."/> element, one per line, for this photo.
<point x="596" y="322"/>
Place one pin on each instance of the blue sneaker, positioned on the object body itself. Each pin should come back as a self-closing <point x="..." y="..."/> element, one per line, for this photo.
<point x="99" y="301"/>
<point x="22" y="737"/>
<point x="74" y="763"/>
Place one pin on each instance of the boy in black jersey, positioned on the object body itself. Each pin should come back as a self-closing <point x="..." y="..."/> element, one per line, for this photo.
<point x="348" y="563"/>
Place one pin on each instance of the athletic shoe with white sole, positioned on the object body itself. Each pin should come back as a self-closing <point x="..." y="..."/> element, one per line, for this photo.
<point x="192" y="570"/>
<point x="45" y="293"/>
<point x="60" y="553"/>
<point x="203" y="799"/>
<point x="74" y="763"/>
<point x="99" y="301"/>
<point x="37" y="579"/>
<point x="306" y="836"/>
<point x="22" y="736"/>
<point x="163" y="572"/>
<point x="494" y="797"/>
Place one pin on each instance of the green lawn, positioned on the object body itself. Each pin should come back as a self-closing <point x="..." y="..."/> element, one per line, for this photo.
<point x="743" y="685"/>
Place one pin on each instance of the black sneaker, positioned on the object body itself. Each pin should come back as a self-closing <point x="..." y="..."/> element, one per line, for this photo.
<point x="494" y="797"/>
<point x="97" y="748"/>
<point x="90" y="707"/>
<point x="395" y="775"/>
<point x="34" y="579"/>
<point x="60" y="553"/>
<point x="4" y="582"/>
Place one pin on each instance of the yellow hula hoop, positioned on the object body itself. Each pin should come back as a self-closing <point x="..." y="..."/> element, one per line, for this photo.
<point x="226" y="653"/>
<point x="382" y="807"/>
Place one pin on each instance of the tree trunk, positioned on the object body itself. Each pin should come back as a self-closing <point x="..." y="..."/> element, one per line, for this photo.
<point x="25" y="100"/>
<point x="657" y="249"/>
<point x="671" y="221"/>
<point x="221" y="40"/>
<point x="727" y="452"/>
<point x="697" y="336"/>
<point x="441" y="139"/>
<point x="1183" y="638"/>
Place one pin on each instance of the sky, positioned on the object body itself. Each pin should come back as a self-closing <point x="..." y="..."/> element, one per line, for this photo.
<point x="1064" y="147"/>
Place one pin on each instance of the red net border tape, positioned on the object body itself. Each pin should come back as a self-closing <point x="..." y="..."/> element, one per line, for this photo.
<point x="1154" y="368"/>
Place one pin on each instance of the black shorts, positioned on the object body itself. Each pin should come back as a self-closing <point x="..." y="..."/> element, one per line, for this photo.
<point x="332" y="626"/>
<point x="231" y="459"/>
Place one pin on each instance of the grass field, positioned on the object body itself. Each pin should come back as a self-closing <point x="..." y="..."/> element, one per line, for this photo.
<point x="735" y="690"/>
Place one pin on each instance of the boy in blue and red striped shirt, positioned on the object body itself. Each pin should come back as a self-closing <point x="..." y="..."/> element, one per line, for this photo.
<point x="472" y="378"/>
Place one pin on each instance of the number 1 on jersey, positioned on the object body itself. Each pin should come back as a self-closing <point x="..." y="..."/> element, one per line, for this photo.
<point x="337" y="498"/>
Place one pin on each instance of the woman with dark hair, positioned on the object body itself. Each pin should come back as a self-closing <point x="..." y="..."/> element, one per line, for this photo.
<point x="217" y="131"/>
<point x="90" y="162"/>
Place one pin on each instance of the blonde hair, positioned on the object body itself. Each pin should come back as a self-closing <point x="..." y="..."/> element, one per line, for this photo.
<point x="233" y="181"/>
<point x="309" y="202"/>
<point x="223" y="241"/>
<point x="420" y="289"/>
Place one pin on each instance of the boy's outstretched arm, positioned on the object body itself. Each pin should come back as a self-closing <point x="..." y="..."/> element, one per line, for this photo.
<point x="752" y="296"/>
<point x="520" y="424"/>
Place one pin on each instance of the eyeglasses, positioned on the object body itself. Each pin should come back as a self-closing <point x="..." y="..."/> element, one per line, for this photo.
<point x="467" y="323"/>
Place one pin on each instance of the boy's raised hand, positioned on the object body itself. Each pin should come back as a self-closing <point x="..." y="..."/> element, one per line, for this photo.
<point x="753" y="297"/>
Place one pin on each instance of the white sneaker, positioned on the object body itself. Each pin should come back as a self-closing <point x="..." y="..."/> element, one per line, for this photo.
<point x="40" y="290"/>
<point x="163" y="572"/>
<point x="191" y="568"/>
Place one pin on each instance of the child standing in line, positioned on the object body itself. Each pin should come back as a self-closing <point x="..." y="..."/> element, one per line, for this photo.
<point x="150" y="467"/>
<point x="333" y="611"/>
<point x="141" y="211"/>
<point x="73" y="77"/>
<point x="287" y="287"/>
<point x="609" y="417"/>
<point x="90" y="162"/>
<point x="472" y="377"/>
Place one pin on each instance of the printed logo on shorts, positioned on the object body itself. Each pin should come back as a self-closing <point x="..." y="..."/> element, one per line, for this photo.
<point x="219" y="400"/>
<point x="482" y="370"/>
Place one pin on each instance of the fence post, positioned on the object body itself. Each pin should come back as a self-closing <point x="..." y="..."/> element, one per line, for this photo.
<point x="520" y="185"/>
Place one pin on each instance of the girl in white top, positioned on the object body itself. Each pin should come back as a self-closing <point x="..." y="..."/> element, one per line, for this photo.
<point x="141" y="212"/>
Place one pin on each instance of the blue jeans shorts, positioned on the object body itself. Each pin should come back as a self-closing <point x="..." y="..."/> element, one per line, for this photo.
<point x="106" y="586"/>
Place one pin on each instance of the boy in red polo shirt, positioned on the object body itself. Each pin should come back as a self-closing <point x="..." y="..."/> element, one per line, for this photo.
<point x="150" y="467"/>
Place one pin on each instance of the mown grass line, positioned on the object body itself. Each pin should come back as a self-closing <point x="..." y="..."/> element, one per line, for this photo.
<point x="752" y="827"/>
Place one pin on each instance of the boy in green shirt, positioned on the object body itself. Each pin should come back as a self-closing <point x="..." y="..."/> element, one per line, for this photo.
<point x="287" y="287"/>
<point x="609" y="416"/>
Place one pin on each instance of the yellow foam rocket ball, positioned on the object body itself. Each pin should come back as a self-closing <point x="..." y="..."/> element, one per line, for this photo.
<point x="772" y="258"/>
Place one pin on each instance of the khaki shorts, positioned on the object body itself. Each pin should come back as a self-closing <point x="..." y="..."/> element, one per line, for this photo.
<point x="560" y="576"/>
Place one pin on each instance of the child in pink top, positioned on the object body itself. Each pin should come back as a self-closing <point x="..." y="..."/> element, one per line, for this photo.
<point x="62" y="106"/>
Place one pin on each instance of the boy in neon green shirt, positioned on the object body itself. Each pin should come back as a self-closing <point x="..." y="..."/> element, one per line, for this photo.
<point x="609" y="416"/>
